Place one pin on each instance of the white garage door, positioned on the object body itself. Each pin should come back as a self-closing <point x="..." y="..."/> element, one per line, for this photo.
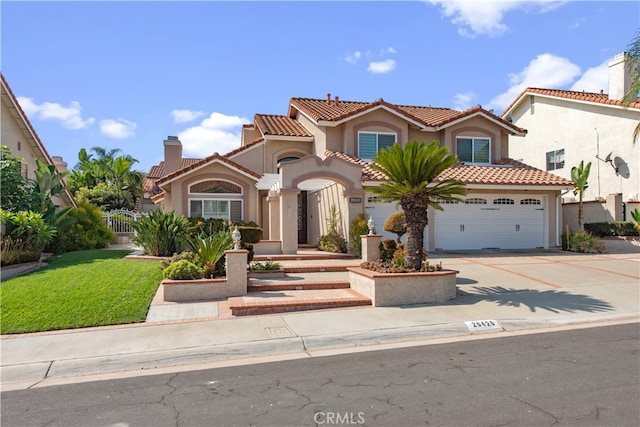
<point x="380" y="211"/>
<point x="491" y="221"/>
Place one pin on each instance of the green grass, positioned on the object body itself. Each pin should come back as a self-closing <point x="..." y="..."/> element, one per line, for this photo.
<point x="79" y="289"/>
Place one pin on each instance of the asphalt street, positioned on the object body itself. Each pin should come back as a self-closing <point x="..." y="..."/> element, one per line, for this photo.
<point x="581" y="377"/>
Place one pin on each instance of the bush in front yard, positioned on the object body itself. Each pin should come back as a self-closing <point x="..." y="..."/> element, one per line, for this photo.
<point x="358" y="228"/>
<point x="85" y="230"/>
<point x="584" y="242"/>
<point x="611" y="228"/>
<point x="182" y="270"/>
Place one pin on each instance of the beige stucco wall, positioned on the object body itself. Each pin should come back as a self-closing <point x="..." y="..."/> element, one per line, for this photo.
<point x="276" y="150"/>
<point x="376" y="121"/>
<point x="582" y="130"/>
<point x="319" y="205"/>
<point x="178" y="198"/>
<point x="13" y="136"/>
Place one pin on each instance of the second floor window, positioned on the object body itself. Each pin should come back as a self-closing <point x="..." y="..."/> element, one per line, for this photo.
<point x="473" y="150"/>
<point x="555" y="160"/>
<point x="369" y="143"/>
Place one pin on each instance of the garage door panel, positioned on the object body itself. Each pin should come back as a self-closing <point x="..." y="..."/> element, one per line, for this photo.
<point x="507" y="224"/>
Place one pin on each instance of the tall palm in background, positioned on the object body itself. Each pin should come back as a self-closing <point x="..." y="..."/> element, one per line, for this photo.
<point x="633" y="62"/>
<point x="411" y="171"/>
<point x="580" y="178"/>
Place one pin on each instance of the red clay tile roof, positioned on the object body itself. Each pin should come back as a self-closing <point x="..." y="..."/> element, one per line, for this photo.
<point x="214" y="156"/>
<point x="278" y="125"/>
<point x="504" y="172"/>
<point x="600" y="98"/>
<point x="323" y="110"/>
<point x="156" y="172"/>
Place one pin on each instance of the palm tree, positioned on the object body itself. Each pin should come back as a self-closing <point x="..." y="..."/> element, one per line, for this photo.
<point x="580" y="176"/>
<point x="633" y="62"/>
<point x="411" y="171"/>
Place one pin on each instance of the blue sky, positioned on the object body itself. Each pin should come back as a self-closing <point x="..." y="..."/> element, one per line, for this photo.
<point x="128" y="74"/>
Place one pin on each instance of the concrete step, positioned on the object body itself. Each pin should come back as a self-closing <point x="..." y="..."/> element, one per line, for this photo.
<point x="310" y="255"/>
<point x="282" y="285"/>
<point x="271" y="302"/>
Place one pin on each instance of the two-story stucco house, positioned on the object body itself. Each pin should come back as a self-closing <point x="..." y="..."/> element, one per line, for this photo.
<point x="19" y="135"/>
<point x="567" y="127"/>
<point x="290" y="169"/>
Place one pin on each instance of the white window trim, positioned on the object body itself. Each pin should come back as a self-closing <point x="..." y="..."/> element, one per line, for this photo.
<point x="473" y="138"/>
<point x="395" y="135"/>
<point x="219" y="199"/>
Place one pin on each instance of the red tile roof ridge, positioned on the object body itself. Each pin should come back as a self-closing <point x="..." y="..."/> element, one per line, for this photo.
<point x="214" y="156"/>
<point x="244" y="147"/>
<point x="600" y="98"/>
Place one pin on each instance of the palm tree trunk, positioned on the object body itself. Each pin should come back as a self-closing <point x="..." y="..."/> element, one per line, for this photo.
<point x="416" y="219"/>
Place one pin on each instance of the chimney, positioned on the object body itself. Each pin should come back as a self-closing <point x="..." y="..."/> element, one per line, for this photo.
<point x="329" y="98"/>
<point x="337" y="99"/>
<point x="60" y="164"/>
<point x="619" y="76"/>
<point x="172" y="154"/>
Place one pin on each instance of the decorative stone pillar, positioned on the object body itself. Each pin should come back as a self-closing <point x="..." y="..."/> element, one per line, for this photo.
<point x="371" y="247"/>
<point x="274" y="215"/>
<point x="237" y="271"/>
<point x="289" y="220"/>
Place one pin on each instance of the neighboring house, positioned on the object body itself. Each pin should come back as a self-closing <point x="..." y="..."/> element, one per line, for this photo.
<point x="567" y="127"/>
<point x="19" y="135"/>
<point x="290" y="169"/>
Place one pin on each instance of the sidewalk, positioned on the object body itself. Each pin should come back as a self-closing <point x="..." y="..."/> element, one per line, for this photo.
<point x="517" y="290"/>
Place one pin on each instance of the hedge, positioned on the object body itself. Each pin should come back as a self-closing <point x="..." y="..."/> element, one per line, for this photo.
<point x="611" y="228"/>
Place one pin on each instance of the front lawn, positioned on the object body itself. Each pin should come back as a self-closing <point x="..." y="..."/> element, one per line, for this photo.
<point x="79" y="289"/>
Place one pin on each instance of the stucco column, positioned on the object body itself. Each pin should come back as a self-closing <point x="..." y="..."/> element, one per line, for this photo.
<point x="371" y="247"/>
<point x="289" y="220"/>
<point x="273" y="199"/>
<point x="237" y="271"/>
<point x="615" y="206"/>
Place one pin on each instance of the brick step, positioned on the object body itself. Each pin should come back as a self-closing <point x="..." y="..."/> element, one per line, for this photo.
<point x="290" y="301"/>
<point x="296" y="286"/>
<point x="314" y="269"/>
<point x="302" y="257"/>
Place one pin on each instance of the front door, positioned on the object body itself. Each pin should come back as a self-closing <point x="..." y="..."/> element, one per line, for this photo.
<point x="302" y="217"/>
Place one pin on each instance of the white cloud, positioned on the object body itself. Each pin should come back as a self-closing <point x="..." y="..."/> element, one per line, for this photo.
<point x="184" y="116"/>
<point x="594" y="79"/>
<point x="217" y="133"/>
<point x="544" y="71"/>
<point x="463" y="100"/>
<point x="354" y="57"/>
<point x="485" y="17"/>
<point x="70" y="117"/>
<point x="117" y="129"/>
<point x="382" y="67"/>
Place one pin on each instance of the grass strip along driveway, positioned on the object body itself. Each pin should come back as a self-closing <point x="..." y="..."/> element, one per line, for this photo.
<point x="79" y="289"/>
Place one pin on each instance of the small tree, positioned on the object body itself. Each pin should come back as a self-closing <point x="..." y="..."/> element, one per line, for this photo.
<point x="580" y="176"/>
<point x="411" y="171"/>
<point x="396" y="224"/>
<point x="13" y="186"/>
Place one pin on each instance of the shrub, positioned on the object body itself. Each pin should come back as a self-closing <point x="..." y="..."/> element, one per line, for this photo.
<point x="108" y="198"/>
<point x="396" y="224"/>
<point x="188" y="255"/>
<point x="267" y="266"/>
<point x="182" y="270"/>
<point x="209" y="250"/>
<point x="635" y="219"/>
<point x="333" y="240"/>
<point x="387" y="249"/>
<point x="358" y="228"/>
<point x="250" y="234"/>
<point x="584" y="242"/>
<point x="200" y="226"/>
<point x="160" y="233"/>
<point x="611" y="228"/>
<point x="25" y="234"/>
<point x="85" y="230"/>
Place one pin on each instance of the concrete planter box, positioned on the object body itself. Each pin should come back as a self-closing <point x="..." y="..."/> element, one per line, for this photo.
<point x="395" y="289"/>
<point x="265" y="274"/>
<point x="199" y="290"/>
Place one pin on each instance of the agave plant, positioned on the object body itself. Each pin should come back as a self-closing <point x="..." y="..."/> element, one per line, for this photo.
<point x="635" y="218"/>
<point x="210" y="249"/>
<point x="160" y="233"/>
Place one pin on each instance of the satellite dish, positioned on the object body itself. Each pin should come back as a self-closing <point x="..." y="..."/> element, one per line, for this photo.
<point x="608" y="158"/>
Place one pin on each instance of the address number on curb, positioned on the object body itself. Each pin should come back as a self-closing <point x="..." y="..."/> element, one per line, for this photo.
<point x="482" y="325"/>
